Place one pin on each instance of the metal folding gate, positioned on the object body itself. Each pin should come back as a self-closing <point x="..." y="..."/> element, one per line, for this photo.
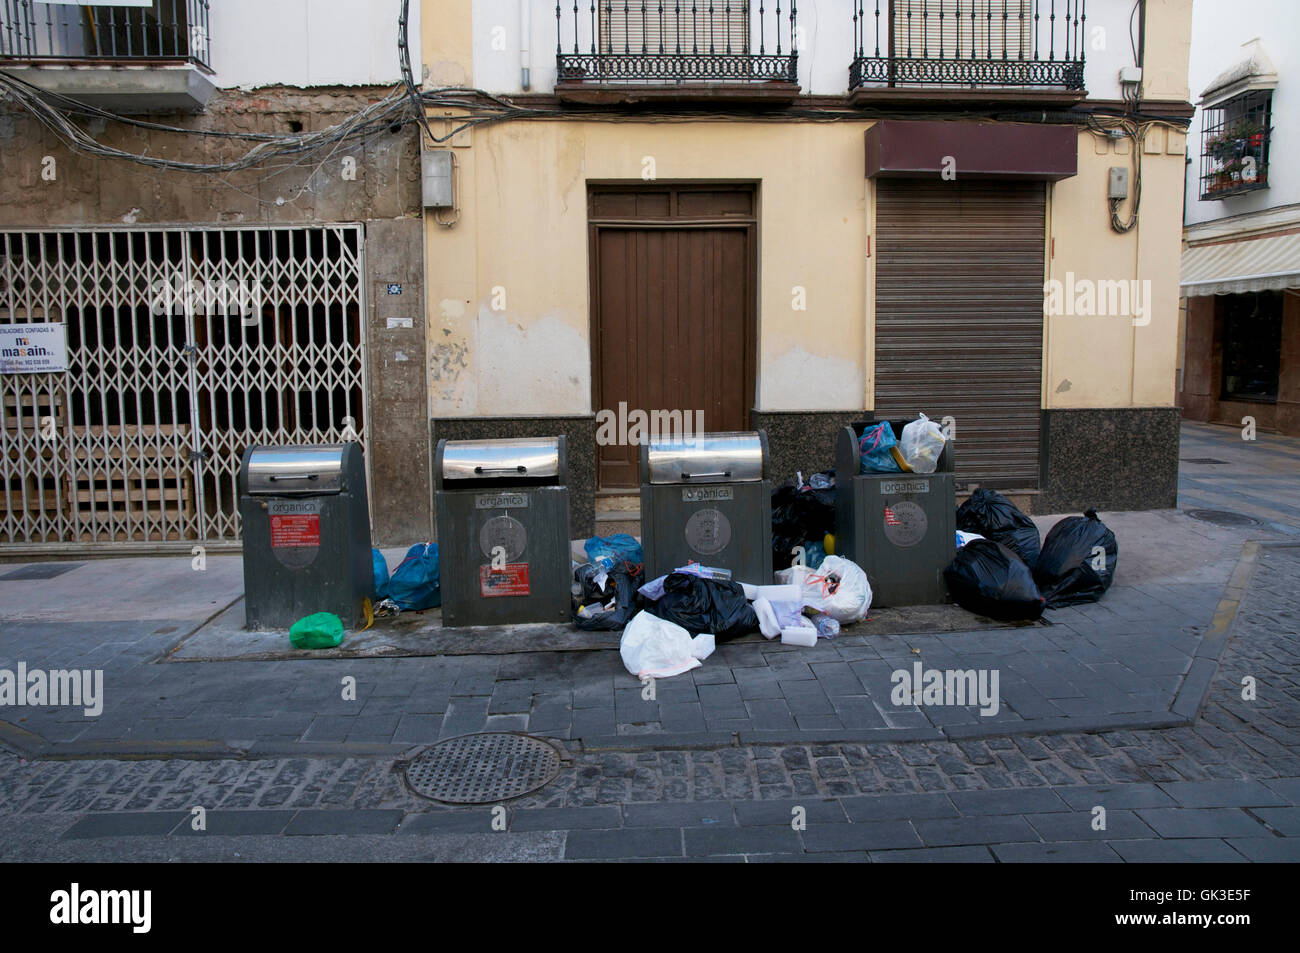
<point x="184" y="345"/>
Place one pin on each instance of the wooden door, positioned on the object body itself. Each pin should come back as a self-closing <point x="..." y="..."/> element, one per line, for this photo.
<point x="673" y="326"/>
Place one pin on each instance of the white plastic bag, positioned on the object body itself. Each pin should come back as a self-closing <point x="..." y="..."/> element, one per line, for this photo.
<point x="652" y="647"/>
<point x="837" y="587"/>
<point x="921" y="443"/>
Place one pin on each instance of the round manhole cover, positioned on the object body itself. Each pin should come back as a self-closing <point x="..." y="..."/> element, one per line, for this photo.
<point x="1222" y="518"/>
<point x="482" y="768"/>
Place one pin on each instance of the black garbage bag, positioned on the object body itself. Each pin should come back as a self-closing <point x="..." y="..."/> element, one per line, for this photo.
<point x="990" y="579"/>
<point x="993" y="516"/>
<point x="620" y="586"/>
<point x="705" y="605"/>
<point x="800" y="514"/>
<point x="1078" y="561"/>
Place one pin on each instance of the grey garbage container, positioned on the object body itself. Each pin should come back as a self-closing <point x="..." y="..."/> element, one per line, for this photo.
<point x="503" y="530"/>
<point x="708" y="499"/>
<point x="306" y="527"/>
<point x="899" y="527"/>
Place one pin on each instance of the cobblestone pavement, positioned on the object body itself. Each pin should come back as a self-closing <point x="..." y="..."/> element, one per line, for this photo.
<point x="1226" y="787"/>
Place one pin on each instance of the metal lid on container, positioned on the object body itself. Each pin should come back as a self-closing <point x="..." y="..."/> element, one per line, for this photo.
<point x="286" y="471"/>
<point x="524" y="458"/>
<point x="739" y="457"/>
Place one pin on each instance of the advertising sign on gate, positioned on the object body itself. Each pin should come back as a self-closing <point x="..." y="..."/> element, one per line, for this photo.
<point x="33" y="348"/>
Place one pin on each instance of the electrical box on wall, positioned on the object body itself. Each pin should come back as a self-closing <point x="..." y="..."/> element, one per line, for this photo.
<point x="1118" y="185"/>
<point x="436" y="179"/>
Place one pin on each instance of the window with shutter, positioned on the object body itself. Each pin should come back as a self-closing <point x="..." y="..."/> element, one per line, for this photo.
<point x="701" y="27"/>
<point x="964" y="29"/>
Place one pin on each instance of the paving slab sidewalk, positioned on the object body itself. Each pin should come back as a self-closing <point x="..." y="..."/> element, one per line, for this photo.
<point x="1117" y="663"/>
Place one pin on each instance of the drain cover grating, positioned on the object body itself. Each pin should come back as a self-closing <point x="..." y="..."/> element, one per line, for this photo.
<point x="1209" y="461"/>
<point x="480" y="769"/>
<point x="40" y="571"/>
<point x="1222" y="518"/>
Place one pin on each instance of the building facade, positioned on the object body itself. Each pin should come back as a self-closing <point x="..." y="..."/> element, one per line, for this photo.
<point x="795" y="216"/>
<point x="734" y="214"/>
<point x="1241" y="259"/>
<point x="207" y="299"/>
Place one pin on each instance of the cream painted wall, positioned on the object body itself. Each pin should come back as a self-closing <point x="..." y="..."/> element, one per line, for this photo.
<point x="1168" y="44"/>
<point x="509" y="312"/>
<point x="522" y="241"/>
<point x="507" y="285"/>
<point x="1108" y="360"/>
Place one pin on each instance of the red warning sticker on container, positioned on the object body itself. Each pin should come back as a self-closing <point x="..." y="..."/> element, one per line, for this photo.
<point x="510" y="580"/>
<point x="292" y="530"/>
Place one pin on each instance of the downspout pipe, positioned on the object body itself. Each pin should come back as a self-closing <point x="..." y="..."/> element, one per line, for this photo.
<point x="525" y="34"/>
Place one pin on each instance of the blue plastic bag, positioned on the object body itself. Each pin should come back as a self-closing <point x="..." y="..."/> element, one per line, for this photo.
<point x="380" y="568"/>
<point x="414" y="584"/>
<point x="876" y="445"/>
<point x="611" y="551"/>
<point x="813" y="554"/>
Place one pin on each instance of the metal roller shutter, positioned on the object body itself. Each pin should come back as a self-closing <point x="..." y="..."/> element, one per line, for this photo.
<point x="959" y="318"/>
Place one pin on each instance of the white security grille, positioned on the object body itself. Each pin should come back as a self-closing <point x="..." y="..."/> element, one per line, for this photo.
<point x="185" y="346"/>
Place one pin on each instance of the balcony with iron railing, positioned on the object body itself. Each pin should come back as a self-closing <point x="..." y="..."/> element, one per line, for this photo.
<point x="164" y="31"/>
<point x="619" y="50"/>
<point x="968" y="49"/>
<point x="95" y="52"/>
<point x="1235" y="142"/>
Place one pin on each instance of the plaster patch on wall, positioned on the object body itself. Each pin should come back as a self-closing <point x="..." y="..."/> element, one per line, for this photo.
<point x="798" y="380"/>
<point x="451" y="386"/>
<point x="542" y="367"/>
<point x="447" y="361"/>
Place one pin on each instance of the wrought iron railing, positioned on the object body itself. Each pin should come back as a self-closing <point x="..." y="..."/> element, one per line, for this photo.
<point x="166" y="30"/>
<point x="1235" y="145"/>
<point x="676" y="41"/>
<point x="971" y="43"/>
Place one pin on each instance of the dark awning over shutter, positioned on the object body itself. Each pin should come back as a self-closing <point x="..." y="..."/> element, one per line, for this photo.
<point x="983" y="150"/>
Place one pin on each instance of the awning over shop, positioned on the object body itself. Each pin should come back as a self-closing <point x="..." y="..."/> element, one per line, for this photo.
<point x="1254" y="264"/>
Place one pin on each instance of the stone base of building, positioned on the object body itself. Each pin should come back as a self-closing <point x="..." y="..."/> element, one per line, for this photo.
<point x="1111" y="459"/>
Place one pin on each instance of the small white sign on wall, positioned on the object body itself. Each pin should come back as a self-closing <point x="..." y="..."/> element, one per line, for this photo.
<point x="33" y="348"/>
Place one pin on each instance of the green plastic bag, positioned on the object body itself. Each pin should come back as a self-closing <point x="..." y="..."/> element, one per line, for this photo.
<point x="323" y="630"/>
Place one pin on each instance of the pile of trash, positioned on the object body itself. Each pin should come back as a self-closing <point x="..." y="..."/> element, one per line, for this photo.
<point x="916" y="450"/>
<point x="672" y="623"/>
<point x="1004" y="571"/>
<point x="604" y="588"/>
<point x="414" y="586"/>
<point x="803" y="515"/>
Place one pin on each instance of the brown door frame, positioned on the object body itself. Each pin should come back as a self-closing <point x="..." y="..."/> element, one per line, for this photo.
<point x="746" y="223"/>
